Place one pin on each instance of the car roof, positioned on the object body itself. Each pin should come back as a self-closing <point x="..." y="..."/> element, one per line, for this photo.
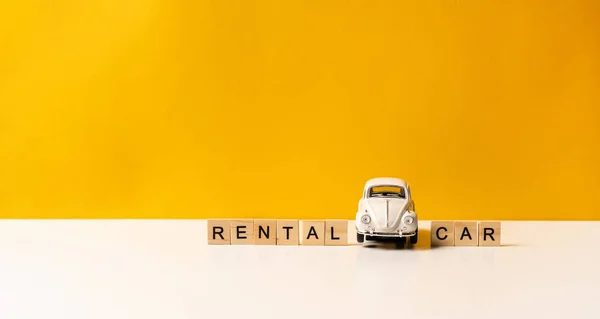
<point x="385" y="181"/>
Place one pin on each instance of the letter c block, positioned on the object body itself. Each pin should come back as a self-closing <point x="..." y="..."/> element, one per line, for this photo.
<point x="442" y="233"/>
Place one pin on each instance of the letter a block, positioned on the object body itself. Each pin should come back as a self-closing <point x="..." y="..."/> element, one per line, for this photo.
<point x="288" y="231"/>
<point x="218" y="232"/>
<point x="465" y="233"/>
<point x="336" y="232"/>
<point x="242" y="231"/>
<point x="489" y="233"/>
<point x="312" y="232"/>
<point x="442" y="233"/>
<point x="265" y="231"/>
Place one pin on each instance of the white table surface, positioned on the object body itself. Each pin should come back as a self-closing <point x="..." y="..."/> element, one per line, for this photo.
<point x="164" y="269"/>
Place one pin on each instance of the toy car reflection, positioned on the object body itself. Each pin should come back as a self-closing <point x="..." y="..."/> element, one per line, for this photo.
<point x="386" y="212"/>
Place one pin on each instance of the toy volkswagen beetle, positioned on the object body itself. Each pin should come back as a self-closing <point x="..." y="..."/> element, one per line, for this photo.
<point x="386" y="211"/>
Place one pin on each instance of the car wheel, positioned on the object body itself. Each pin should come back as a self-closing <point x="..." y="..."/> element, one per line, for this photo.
<point x="415" y="238"/>
<point x="401" y="242"/>
<point x="360" y="238"/>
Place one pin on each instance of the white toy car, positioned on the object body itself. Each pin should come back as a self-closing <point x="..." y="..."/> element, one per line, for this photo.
<point x="386" y="212"/>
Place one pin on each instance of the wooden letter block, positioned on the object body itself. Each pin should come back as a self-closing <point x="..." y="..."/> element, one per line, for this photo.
<point x="265" y="231"/>
<point x="489" y="233"/>
<point x="465" y="233"/>
<point x="336" y="232"/>
<point x="242" y="231"/>
<point x="442" y="233"/>
<point x="312" y="232"/>
<point x="288" y="231"/>
<point x="218" y="232"/>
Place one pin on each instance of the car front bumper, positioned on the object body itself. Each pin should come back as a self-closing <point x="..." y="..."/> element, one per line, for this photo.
<point x="387" y="235"/>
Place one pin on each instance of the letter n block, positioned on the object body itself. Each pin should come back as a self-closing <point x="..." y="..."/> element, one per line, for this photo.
<point x="442" y="233"/>
<point x="288" y="231"/>
<point x="312" y="232"/>
<point x="265" y="231"/>
<point x="489" y="233"/>
<point x="242" y="231"/>
<point x="336" y="232"/>
<point x="465" y="233"/>
<point x="218" y="232"/>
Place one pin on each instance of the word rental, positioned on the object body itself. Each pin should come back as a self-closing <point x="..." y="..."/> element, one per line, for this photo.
<point x="277" y="232"/>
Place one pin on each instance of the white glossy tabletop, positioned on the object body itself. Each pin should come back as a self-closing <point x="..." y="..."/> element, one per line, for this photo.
<point x="164" y="269"/>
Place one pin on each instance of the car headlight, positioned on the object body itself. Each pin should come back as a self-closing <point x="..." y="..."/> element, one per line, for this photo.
<point x="365" y="219"/>
<point x="408" y="220"/>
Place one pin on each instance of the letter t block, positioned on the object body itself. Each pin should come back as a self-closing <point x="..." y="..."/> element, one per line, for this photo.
<point x="288" y="232"/>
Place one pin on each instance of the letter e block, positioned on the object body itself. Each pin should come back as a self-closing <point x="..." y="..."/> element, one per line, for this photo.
<point x="265" y="231"/>
<point x="312" y="232"/>
<point x="489" y="233"/>
<point x="288" y="231"/>
<point x="336" y="232"/>
<point x="242" y="231"/>
<point x="218" y="232"/>
<point x="465" y="233"/>
<point x="442" y="233"/>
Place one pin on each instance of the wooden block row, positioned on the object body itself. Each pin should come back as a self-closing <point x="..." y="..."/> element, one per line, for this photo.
<point x="277" y="232"/>
<point x="466" y="233"/>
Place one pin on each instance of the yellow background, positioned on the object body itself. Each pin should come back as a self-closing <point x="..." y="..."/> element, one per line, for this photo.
<point x="252" y="108"/>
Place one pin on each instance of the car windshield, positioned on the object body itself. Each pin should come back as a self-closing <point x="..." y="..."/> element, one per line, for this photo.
<point x="387" y="191"/>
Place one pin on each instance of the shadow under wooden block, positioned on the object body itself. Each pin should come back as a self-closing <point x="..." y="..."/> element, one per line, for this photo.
<point x="288" y="231"/>
<point x="442" y="233"/>
<point x="265" y="231"/>
<point x="490" y="233"/>
<point x="336" y="232"/>
<point x="312" y="232"/>
<point x="242" y="231"/>
<point x="465" y="233"/>
<point x="218" y="232"/>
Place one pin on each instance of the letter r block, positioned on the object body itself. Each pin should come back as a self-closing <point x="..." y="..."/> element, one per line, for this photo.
<point x="242" y="231"/>
<point x="442" y="233"/>
<point x="489" y="233"/>
<point x="218" y="232"/>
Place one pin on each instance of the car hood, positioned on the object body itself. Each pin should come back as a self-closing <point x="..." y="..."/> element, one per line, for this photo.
<point x="386" y="211"/>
